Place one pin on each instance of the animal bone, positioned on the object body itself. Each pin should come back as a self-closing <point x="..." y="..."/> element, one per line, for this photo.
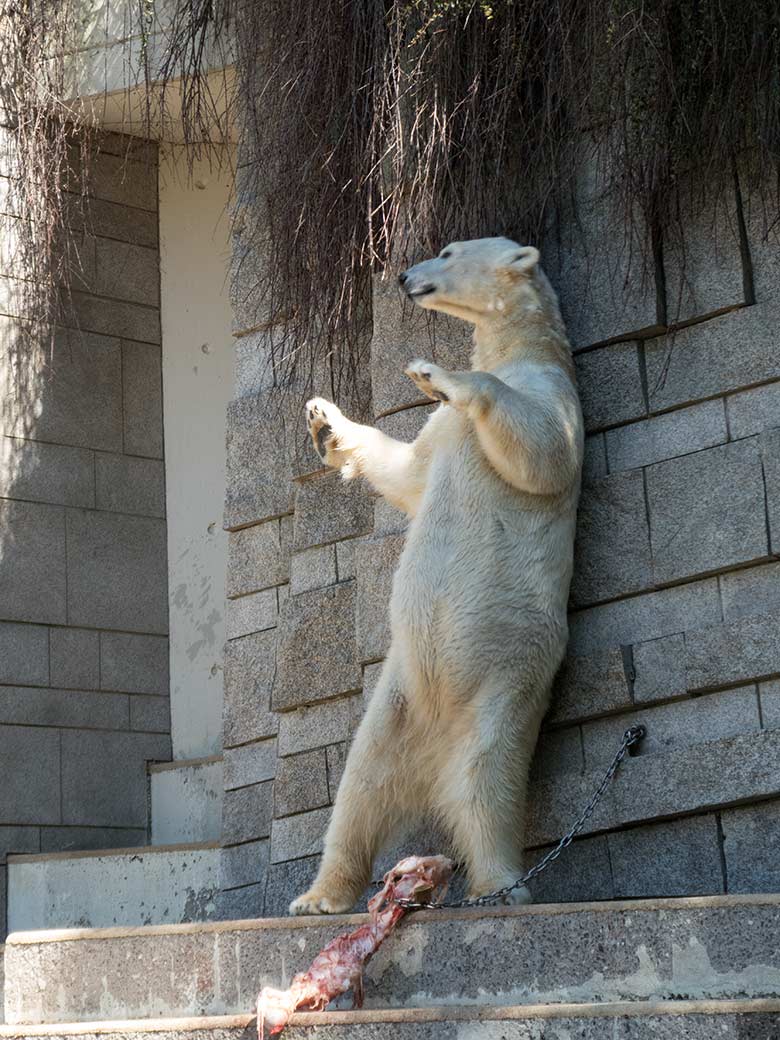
<point x="339" y="966"/>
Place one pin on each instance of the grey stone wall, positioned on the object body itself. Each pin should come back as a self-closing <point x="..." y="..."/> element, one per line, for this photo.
<point x="675" y="602"/>
<point x="83" y="567"/>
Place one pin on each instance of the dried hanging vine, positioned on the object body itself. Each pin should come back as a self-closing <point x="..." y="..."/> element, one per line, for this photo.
<point x="373" y="131"/>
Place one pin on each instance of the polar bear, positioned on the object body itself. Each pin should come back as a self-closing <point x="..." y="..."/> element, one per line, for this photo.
<point x="478" y="606"/>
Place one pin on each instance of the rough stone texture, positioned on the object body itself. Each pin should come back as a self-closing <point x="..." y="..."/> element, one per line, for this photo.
<point x="401" y="334"/>
<point x="249" y="764"/>
<point x="103" y="795"/>
<point x="287" y="880"/>
<point x="598" y="271"/>
<point x="346" y="560"/>
<point x="679" y="858"/>
<point x="245" y="864"/>
<point x="32" y="576"/>
<point x="294" y="837"/>
<point x="75" y="658"/>
<point x="313" y="569"/>
<point x="589" y="685"/>
<point x="328" y="508"/>
<point x="706" y="511"/>
<point x="406" y="424"/>
<point x="377" y="559"/>
<point x="253" y="613"/>
<point x="29" y="774"/>
<point x="260" y="443"/>
<point x="48" y="707"/>
<point x="142" y="399"/>
<point x="612" y="549"/>
<point x="238" y="904"/>
<point x="336" y="756"/>
<point x="24" y="654"/>
<point x="259" y="556"/>
<point x="558" y="752"/>
<point x="769" y="696"/>
<point x="594" y="462"/>
<point x="722" y="354"/>
<point x="659" y="669"/>
<point x="753" y="590"/>
<point x="246" y="813"/>
<point x="80" y="395"/>
<point x="581" y="873"/>
<point x="150" y="714"/>
<point x="715" y="948"/>
<point x="301" y="783"/>
<point x="667" y="436"/>
<point x="83" y="533"/>
<point x="610" y="384"/>
<point x="676" y="726"/>
<point x="52" y="473"/>
<point x="754" y="411"/>
<point x="126" y="271"/>
<point x="770" y="465"/>
<point x="254" y="369"/>
<point x="741" y="769"/>
<point x="138" y="664"/>
<point x="249" y="669"/>
<point x="317" y="657"/>
<point x="702" y="258"/>
<point x="130" y="485"/>
<point x="734" y="652"/>
<point x="117" y="571"/>
<point x="319" y="724"/>
<point x="750" y="840"/>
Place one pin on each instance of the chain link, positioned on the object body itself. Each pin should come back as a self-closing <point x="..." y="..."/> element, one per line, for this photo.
<point x="631" y="737"/>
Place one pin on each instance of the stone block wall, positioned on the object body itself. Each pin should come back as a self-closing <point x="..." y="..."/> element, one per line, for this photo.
<point x="83" y="564"/>
<point x="675" y="603"/>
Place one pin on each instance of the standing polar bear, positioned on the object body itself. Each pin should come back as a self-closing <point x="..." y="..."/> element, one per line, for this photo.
<point x="478" y="608"/>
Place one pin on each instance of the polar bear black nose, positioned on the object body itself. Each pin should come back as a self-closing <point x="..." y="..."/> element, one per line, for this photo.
<point x="402" y="277"/>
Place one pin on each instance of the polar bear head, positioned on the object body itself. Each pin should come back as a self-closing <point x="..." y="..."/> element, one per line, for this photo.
<point x="483" y="280"/>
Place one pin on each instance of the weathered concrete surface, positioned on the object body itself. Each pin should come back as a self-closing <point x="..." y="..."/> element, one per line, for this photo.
<point x="709" y="947"/>
<point x="186" y="801"/>
<point x="140" y="886"/>
<point x="667" y="1020"/>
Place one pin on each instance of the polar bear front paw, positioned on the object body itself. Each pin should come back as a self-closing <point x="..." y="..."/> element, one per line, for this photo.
<point x="430" y="379"/>
<point x="327" y="428"/>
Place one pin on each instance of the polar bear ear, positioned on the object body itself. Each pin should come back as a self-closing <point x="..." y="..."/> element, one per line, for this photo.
<point x="523" y="260"/>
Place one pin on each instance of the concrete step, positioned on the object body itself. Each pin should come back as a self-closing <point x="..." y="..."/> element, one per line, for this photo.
<point x="137" y="886"/>
<point x="2" y="983"/>
<point x="709" y="947"/>
<point x="644" y="1020"/>
<point x="186" y="799"/>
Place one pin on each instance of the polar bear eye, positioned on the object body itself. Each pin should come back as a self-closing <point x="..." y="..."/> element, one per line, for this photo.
<point x="445" y="254"/>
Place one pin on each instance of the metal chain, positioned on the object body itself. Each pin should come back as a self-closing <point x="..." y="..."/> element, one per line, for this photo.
<point x="632" y="736"/>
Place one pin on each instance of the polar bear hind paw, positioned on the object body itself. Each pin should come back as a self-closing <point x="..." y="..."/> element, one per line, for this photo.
<point x="314" y="902"/>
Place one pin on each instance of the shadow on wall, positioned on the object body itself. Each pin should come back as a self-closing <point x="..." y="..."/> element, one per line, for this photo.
<point x="83" y="569"/>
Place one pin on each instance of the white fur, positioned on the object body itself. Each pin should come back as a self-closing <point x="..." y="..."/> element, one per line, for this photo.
<point x="478" y="609"/>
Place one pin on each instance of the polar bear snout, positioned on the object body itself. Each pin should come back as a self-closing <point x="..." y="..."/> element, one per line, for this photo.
<point x="414" y="285"/>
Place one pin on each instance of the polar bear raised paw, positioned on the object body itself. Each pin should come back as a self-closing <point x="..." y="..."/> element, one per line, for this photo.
<point x="330" y="429"/>
<point x="430" y="379"/>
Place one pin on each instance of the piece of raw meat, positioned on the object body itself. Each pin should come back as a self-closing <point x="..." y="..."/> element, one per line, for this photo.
<point x="339" y="967"/>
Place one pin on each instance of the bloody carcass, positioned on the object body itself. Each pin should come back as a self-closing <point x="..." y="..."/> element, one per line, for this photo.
<point x="339" y="967"/>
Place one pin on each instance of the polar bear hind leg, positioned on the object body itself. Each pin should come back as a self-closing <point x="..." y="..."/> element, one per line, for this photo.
<point x="378" y="791"/>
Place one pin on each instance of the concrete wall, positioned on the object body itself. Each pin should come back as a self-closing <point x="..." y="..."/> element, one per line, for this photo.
<point x="675" y="602"/>
<point x="83" y="589"/>
<point x="197" y="384"/>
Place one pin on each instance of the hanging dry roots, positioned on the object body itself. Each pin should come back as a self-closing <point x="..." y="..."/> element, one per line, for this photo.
<point x="339" y="967"/>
